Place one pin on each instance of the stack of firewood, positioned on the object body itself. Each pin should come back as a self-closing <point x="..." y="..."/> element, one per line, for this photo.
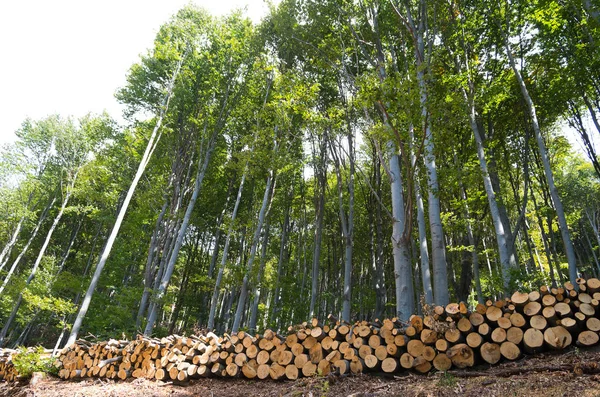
<point x="7" y="369"/>
<point x="444" y="337"/>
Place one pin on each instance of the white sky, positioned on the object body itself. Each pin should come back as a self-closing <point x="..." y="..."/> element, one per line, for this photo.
<point x="70" y="56"/>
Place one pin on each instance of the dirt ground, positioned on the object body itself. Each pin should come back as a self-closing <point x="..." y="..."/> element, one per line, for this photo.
<point x="574" y="373"/>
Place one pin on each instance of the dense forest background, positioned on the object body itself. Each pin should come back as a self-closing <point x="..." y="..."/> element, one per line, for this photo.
<point x="348" y="157"/>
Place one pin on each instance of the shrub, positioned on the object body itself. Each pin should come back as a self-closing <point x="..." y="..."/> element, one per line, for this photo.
<point x="28" y="361"/>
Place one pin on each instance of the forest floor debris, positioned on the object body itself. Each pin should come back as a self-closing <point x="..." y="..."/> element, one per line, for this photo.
<point x="570" y="373"/>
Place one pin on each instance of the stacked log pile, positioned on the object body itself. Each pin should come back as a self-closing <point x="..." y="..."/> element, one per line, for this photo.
<point x="7" y="369"/>
<point x="443" y="338"/>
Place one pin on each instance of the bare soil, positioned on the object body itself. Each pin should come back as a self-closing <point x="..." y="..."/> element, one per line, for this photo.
<point x="574" y="373"/>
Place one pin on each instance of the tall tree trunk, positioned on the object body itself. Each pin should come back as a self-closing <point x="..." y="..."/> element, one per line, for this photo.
<point x="321" y="181"/>
<point x="438" y="247"/>
<point x="249" y="267"/>
<point x="562" y="220"/>
<point x="152" y="255"/>
<point x="38" y="260"/>
<point x="400" y="243"/>
<point x="152" y="142"/>
<point x="26" y="247"/>
<point x="215" y="295"/>
<point x="5" y="254"/>
<point x="162" y="287"/>
<point x="378" y="271"/>
<point x="347" y="224"/>
<point x="257" y="285"/>
<point x="282" y="258"/>
<point x="423" y="249"/>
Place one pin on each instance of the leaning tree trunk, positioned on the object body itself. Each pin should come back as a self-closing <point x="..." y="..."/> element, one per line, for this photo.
<point x="38" y="260"/>
<point x="215" y="296"/>
<point x="152" y="142"/>
<point x="26" y="247"/>
<point x="562" y="220"/>
<point x="162" y="287"/>
<point x="5" y="254"/>
<point x="249" y="267"/>
<point x="152" y="251"/>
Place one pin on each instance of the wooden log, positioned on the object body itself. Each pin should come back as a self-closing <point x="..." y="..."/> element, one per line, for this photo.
<point x="428" y="337"/>
<point x="422" y="365"/>
<point x="462" y="355"/>
<point x="291" y="372"/>
<point x="441" y="345"/>
<point x="504" y="322"/>
<point x="474" y="340"/>
<point x="276" y="371"/>
<point x="593" y="324"/>
<point x="407" y="360"/>
<point x="517" y="320"/>
<point x="453" y="335"/>
<point x="490" y="352"/>
<point x="442" y="362"/>
<point x="557" y="337"/>
<point x="587" y="338"/>
<point x="249" y="371"/>
<point x="562" y="309"/>
<point x="509" y="350"/>
<point x="593" y="285"/>
<point x="476" y="319"/>
<point x="371" y="362"/>
<point x="514" y="335"/>
<point x="538" y="322"/>
<point x="493" y="313"/>
<point x="342" y="366"/>
<point x="415" y="348"/>
<point x="532" y="308"/>
<point x="499" y="335"/>
<point x="520" y="299"/>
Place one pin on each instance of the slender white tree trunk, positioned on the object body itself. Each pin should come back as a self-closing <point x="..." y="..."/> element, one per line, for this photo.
<point x="215" y="296"/>
<point x="162" y="287"/>
<point x="400" y="243"/>
<point x="257" y="289"/>
<point x="38" y="260"/>
<point x="152" y="142"/>
<point x="5" y="254"/>
<point x="423" y="249"/>
<point x="261" y="219"/>
<point x="560" y="212"/>
<point x="26" y="247"/>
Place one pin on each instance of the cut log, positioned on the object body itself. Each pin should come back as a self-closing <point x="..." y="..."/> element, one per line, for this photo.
<point x="493" y="313"/>
<point x="514" y="335"/>
<point x="407" y="360"/>
<point x="510" y="351"/>
<point x="520" y="299"/>
<point x="587" y="338"/>
<point x="499" y="335"/>
<point x="490" y="352"/>
<point x="557" y="337"/>
<point x="462" y="355"/>
<point x="390" y="365"/>
<point x="291" y="372"/>
<point x="441" y="362"/>
<point x="538" y="322"/>
<point x="532" y="308"/>
<point x="533" y="340"/>
<point x="474" y="340"/>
